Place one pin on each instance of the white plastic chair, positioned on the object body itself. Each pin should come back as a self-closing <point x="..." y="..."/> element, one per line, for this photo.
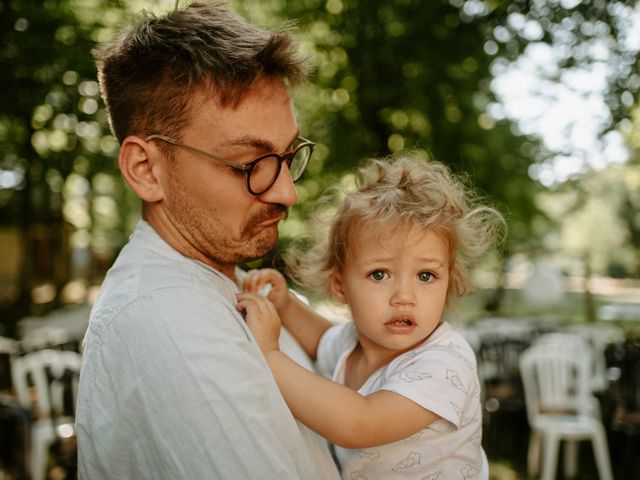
<point x="9" y="348"/>
<point x="598" y="336"/>
<point x="484" y="470"/>
<point x="45" y="337"/>
<point x="559" y="407"/>
<point x="576" y="342"/>
<point x="8" y="345"/>
<point x="40" y="380"/>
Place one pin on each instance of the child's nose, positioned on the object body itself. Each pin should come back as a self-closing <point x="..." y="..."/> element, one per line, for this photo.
<point x="403" y="293"/>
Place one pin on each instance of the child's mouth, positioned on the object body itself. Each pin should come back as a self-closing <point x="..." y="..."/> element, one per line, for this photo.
<point x="401" y="321"/>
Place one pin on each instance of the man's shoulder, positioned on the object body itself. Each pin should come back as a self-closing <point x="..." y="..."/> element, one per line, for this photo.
<point x="150" y="288"/>
<point x="148" y="272"/>
<point x="148" y="264"/>
<point x="131" y="278"/>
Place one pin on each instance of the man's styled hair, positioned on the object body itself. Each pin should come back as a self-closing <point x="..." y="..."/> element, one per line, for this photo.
<point x="392" y="196"/>
<point x="150" y="75"/>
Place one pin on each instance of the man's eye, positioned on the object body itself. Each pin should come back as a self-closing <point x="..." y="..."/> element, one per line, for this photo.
<point x="378" y="275"/>
<point x="425" y="276"/>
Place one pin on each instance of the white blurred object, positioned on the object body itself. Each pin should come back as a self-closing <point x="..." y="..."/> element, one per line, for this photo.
<point x="544" y="286"/>
<point x="620" y="311"/>
<point x="264" y="290"/>
<point x="598" y="336"/>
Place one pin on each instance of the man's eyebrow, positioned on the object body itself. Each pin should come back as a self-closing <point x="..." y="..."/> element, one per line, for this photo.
<point x="257" y="143"/>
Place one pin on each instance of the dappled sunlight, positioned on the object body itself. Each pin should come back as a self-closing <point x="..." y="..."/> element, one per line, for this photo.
<point x="43" y="293"/>
<point x="502" y="471"/>
<point x="535" y="104"/>
<point x="74" y="292"/>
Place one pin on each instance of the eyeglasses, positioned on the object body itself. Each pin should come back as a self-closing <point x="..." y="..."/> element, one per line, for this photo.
<point x="262" y="172"/>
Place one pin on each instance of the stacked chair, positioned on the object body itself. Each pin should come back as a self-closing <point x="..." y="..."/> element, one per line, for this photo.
<point x="39" y="374"/>
<point x="624" y="359"/>
<point x="15" y="421"/>
<point x="45" y="384"/>
<point x="561" y="406"/>
<point x="501" y="387"/>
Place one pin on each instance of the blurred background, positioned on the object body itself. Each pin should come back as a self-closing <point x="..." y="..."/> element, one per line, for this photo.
<point x="535" y="102"/>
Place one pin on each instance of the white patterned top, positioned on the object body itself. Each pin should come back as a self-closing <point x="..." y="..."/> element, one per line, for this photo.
<point x="439" y="375"/>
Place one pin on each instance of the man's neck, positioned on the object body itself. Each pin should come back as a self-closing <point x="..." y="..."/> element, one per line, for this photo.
<point x="168" y="231"/>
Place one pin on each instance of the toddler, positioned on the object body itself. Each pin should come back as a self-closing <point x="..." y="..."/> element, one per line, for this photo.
<point x="404" y="399"/>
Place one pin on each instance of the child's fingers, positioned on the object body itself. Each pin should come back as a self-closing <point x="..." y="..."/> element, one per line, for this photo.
<point x="248" y="285"/>
<point x="246" y="299"/>
<point x="254" y="280"/>
<point x="252" y="303"/>
<point x="262" y="319"/>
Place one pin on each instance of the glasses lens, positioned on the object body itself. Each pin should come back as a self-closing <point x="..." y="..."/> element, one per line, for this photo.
<point x="299" y="162"/>
<point x="266" y="170"/>
<point x="263" y="174"/>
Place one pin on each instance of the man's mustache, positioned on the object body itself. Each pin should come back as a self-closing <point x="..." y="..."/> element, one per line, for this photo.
<point x="267" y="214"/>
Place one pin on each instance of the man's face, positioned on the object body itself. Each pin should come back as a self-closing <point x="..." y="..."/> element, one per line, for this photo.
<point x="218" y="220"/>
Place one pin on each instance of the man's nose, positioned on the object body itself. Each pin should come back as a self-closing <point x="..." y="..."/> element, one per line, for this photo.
<point x="283" y="191"/>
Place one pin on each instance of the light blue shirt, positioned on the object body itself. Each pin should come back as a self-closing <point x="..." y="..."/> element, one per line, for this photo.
<point x="173" y="385"/>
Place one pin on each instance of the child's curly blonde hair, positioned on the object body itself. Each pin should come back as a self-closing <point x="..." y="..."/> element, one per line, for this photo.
<point x="395" y="194"/>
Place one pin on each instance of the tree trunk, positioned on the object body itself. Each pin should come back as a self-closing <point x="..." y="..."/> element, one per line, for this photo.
<point x="589" y="302"/>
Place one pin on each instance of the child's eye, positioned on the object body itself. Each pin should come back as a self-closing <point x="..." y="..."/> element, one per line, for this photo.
<point x="425" y="276"/>
<point x="378" y="275"/>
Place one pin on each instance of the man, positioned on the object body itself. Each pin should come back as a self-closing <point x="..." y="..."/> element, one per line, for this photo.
<point x="173" y="384"/>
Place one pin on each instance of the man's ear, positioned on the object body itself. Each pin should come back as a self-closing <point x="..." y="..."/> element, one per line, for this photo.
<point x="137" y="162"/>
<point x="336" y="287"/>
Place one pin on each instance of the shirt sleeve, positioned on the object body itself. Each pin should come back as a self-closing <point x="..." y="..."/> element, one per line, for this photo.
<point x="333" y="343"/>
<point x="437" y="378"/>
<point x="190" y="396"/>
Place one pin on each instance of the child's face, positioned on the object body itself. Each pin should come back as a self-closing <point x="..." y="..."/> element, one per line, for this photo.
<point x="396" y="286"/>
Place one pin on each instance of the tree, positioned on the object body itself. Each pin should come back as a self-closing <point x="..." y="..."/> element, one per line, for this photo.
<point x="586" y="51"/>
<point x="52" y="128"/>
<point x="391" y="75"/>
<point x="406" y="75"/>
<point x="403" y="74"/>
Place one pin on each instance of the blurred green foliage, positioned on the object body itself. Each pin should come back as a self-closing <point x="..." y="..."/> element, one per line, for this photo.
<point x="389" y="76"/>
<point x="53" y="129"/>
<point x="401" y="75"/>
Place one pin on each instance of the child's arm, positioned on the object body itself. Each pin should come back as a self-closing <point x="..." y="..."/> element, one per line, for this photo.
<point x="304" y="324"/>
<point x="336" y="412"/>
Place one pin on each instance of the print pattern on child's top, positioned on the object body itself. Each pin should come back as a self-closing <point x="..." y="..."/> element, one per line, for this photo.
<point x="439" y="375"/>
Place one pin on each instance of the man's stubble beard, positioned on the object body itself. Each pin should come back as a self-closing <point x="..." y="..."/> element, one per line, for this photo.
<point x="254" y="242"/>
<point x="210" y="237"/>
<point x="265" y="240"/>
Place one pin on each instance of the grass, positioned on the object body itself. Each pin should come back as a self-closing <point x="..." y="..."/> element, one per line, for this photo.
<point x="571" y="309"/>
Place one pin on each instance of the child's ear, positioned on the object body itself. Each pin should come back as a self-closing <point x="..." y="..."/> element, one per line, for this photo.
<point x="336" y="287"/>
<point x="137" y="164"/>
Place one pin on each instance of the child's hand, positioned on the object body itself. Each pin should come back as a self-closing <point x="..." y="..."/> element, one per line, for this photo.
<point x="262" y="319"/>
<point x="257" y="279"/>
